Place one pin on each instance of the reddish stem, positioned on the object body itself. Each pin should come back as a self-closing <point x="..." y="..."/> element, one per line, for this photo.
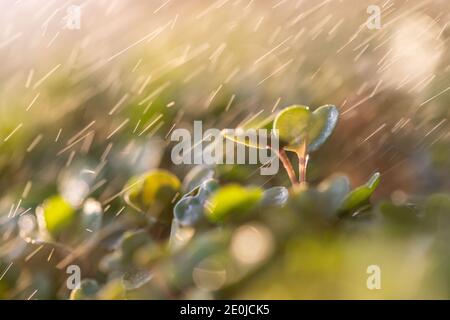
<point x="287" y="165"/>
<point x="302" y="161"/>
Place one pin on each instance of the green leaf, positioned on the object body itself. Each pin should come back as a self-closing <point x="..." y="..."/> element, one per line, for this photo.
<point x="247" y="133"/>
<point x="292" y="124"/>
<point x="324" y="120"/>
<point x="260" y="122"/>
<point x="159" y="184"/>
<point x="248" y="137"/>
<point x="298" y="126"/>
<point x="153" y="192"/>
<point x="231" y="201"/>
<point x="360" y="196"/>
<point x="58" y="214"/>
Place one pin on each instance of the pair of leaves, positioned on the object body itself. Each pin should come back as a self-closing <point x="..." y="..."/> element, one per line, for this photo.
<point x="298" y="130"/>
<point x="298" y="127"/>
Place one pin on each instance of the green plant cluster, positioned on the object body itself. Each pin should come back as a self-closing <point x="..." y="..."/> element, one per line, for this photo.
<point x="201" y="237"/>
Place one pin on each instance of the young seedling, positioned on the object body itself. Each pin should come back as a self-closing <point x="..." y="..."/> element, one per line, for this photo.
<point x="300" y="131"/>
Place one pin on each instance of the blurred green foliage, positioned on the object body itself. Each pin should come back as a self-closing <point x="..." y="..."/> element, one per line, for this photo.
<point x="88" y="181"/>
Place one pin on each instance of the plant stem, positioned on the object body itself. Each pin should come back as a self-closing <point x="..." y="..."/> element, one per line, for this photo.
<point x="302" y="165"/>
<point x="302" y="162"/>
<point x="287" y="165"/>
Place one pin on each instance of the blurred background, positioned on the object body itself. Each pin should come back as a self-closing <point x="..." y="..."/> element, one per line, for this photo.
<point x="85" y="107"/>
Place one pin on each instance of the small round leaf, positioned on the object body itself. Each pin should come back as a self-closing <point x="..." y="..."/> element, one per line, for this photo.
<point x="58" y="214"/>
<point x="359" y="197"/>
<point x="232" y="200"/>
<point x="323" y="122"/>
<point x="292" y="126"/>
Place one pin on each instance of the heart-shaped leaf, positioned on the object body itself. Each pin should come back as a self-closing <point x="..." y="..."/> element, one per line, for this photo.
<point x="232" y="201"/>
<point x="298" y="127"/>
<point x="292" y="125"/>
<point x="323" y="122"/>
<point x="359" y="197"/>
